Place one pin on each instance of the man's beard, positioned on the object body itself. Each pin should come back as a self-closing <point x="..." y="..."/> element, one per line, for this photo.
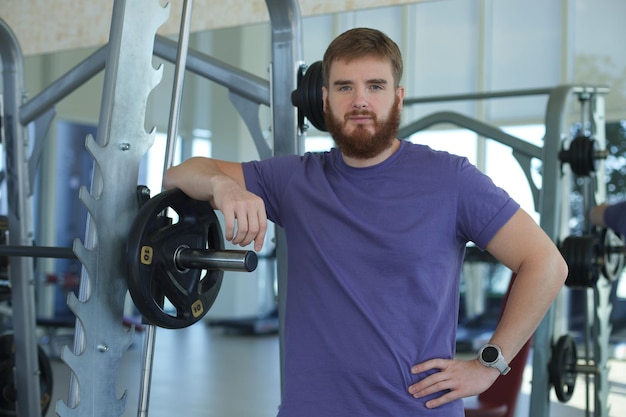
<point x="360" y="143"/>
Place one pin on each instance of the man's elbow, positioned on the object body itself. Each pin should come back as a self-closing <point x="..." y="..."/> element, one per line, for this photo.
<point x="559" y="269"/>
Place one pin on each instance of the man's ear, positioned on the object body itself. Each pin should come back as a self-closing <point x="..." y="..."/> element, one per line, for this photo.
<point x="324" y="98"/>
<point x="400" y="93"/>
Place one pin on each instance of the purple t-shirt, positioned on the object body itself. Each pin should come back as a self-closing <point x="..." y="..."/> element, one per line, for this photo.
<point x="615" y="217"/>
<point x="374" y="261"/>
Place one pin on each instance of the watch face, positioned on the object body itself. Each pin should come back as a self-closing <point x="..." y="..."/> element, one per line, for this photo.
<point x="489" y="354"/>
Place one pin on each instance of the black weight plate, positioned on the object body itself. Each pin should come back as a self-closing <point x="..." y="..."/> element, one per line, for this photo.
<point x="295" y="99"/>
<point x="581" y="254"/>
<point x="166" y="295"/>
<point x="612" y="254"/>
<point x="562" y="368"/>
<point x="313" y="82"/>
<point x="8" y="393"/>
<point x="308" y="97"/>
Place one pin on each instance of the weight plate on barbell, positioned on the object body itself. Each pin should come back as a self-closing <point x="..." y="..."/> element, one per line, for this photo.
<point x="164" y="293"/>
<point x="8" y="392"/>
<point x="582" y="255"/>
<point x="562" y="368"/>
<point x="612" y="254"/>
<point x="308" y="96"/>
<point x="582" y="159"/>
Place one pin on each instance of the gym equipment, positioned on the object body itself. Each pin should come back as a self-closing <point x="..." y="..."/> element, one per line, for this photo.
<point x="613" y="254"/>
<point x="8" y="391"/>
<point x="122" y="141"/>
<point x="588" y="256"/>
<point x="582" y="254"/>
<point x="35" y="252"/>
<point x="564" y="367"/>
<point x="167" y="260"/>
<point x="582" y="155"/>
<point x="180" y="262"/>
<point x="308" y="97"/>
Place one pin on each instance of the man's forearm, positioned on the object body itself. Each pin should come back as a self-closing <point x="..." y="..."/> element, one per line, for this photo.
<point x="195" y="177"/>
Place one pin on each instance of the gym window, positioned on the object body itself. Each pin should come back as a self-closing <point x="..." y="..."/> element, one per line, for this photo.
<point x="151" y="167"/>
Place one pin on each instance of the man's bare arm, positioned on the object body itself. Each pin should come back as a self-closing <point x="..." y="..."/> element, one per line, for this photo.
<point x="222" y="184"/>
<point x="541" y="272"/>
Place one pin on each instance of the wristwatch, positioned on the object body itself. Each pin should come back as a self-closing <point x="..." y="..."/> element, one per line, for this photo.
<point x="491" y="356"/>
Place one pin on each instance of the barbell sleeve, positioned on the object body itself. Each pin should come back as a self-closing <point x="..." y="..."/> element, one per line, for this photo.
<point x="225" y="260"/>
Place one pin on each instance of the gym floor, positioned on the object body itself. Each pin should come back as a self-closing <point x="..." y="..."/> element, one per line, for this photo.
<point x="203" y="371"/>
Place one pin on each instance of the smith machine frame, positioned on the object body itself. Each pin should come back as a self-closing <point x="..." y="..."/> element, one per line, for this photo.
<point x="122" y="141"/>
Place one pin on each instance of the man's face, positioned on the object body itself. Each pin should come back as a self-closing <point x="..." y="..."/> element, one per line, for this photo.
<point x="362" y="106"/>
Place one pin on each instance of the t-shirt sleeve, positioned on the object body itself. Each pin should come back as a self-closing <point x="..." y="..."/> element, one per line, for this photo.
<point x="615" y="217"/>
<point x="268" y="179"/>
<point x="483" y="207"/>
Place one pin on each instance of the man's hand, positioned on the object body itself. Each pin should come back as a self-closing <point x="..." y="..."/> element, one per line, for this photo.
<point x="456" y="379"/>
<point x="222" y="184"/>
<point x="245" y="219"/>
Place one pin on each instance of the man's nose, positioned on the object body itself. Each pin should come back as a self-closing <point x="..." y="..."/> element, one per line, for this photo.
<point x="360" y="101"/>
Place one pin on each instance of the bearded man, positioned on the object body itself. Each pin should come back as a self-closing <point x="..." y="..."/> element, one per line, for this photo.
<point x="376" y="232"/>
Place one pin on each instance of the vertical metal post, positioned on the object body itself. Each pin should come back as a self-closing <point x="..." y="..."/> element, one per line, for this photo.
<point x="20" y="229"/>
<point x="550" y="211"/>
<point x="286" y="59"/>
<point x="179" y="76"/>
<point x="146" y="370"/>
<point x="172" y="133"/>
<point x="121" y="143"/>
<point x="602" y="292"/>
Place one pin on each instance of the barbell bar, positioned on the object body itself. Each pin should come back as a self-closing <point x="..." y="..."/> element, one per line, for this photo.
<point x="183" y="258"/>
<point x="37" y="251"/>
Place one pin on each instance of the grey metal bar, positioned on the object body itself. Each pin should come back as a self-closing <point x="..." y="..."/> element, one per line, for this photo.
<point x="20" y="228"/>
<point x="37" y="251"/>
<point x="249" y="112"/>
<point x="247" y="85"/>
<point x="233" y="78"/>
<point x="477" y="96"/>
<point x="172" y="133"/>
<point x="474" y="125"/>
<point x="146" y="370"/>
<point x="550" y="211"/>
<point x="500" y="94"/>
<point x="179" y="77"/>
<point x="63" y="86"/>
<point x="42" y="125"/>
<point x="286" y="25"/>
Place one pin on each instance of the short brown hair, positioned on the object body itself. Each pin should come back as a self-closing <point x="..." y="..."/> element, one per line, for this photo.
<point x="362" y="42"/>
